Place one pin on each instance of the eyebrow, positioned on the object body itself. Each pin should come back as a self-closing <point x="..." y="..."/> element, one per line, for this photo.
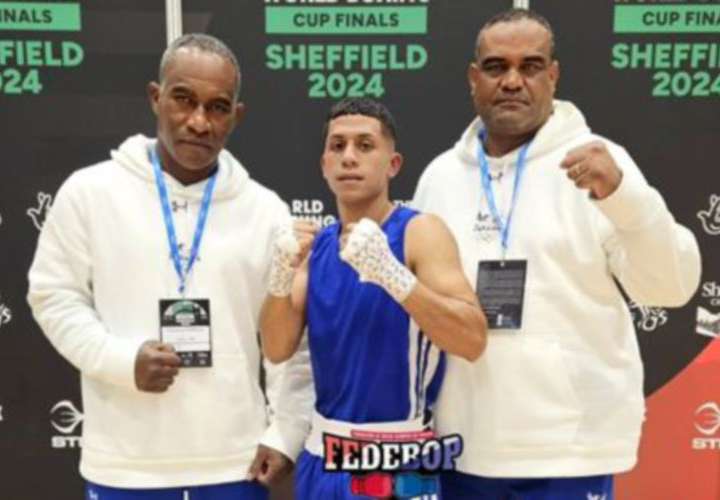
<point x="182" y="88"/>
<point x="362" y="135"/>
<point x="533" y="58"/>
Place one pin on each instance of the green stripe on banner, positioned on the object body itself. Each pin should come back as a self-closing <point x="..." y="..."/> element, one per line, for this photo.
<point x="21" y="16"/>
<point x="345" y="20"/>
<point x="667" y="19"/>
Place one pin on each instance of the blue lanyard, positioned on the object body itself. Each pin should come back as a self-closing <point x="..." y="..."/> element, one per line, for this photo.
<point x="170" y="225"/>
<point x="490" y="195"/>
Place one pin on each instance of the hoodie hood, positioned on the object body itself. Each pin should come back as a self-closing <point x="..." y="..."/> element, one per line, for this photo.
<point x="565" y="124"/>
<point x="134" y="155"/>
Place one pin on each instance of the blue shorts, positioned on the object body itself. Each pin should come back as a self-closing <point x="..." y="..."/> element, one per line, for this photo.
<point x="243" y="490"/>
<point x="459" y="486"/>
<point x="312" y="482"/>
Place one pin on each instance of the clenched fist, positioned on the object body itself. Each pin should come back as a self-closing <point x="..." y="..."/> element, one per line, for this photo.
<point x="156" y="366"/>
<point x="591" y="166"/>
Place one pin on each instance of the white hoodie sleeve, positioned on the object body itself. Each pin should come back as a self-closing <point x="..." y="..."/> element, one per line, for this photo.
<point x="656" y="260"/>
<point x="290" y="391"/>
<point x="291" y="394"/>
<point x="61" y="298"/>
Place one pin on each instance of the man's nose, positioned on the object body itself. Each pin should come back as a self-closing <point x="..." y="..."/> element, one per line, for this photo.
<point x="512" y="80"/>
<point x="198" y="121"/>
<point x="349" y="157"/>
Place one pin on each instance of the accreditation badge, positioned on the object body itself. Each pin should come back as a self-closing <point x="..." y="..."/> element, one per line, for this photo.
<point x="185" y="324"/>
<point x="501" y="291"/>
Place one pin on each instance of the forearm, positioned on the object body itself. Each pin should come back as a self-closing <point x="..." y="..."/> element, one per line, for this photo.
<point x="290" y="393"/>
<point x="281" y="326"/>
<point x="455" y="326"/>
<point x="75" y="330"/>
<point x="61" y="298"/>
<point x="656" y="260"/>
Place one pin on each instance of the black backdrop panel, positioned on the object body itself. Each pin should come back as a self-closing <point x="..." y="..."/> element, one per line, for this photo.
<point x="71" y="118"/>
<point x="90" y="106"/>
<point x="280" y="139"/>
<point x="671" y="138"/>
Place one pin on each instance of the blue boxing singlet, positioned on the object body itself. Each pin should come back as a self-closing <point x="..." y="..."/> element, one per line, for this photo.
<point x="370" y="361"/>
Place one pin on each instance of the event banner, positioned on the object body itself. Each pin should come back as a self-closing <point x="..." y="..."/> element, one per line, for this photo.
<point x="298" y="58"/>
<point x="647" y="75"/>
<point x="72" y="86"/>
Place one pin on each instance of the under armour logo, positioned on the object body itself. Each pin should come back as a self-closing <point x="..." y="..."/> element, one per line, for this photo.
<point x="177" y="206"/>
<point x="65" y="417"/>
<point x="39" y="213"/>
<point x="495" y="176"/>
<point x="710" y="218"/>
<point x="592" y="496"/>
<point x="92" y="495"/>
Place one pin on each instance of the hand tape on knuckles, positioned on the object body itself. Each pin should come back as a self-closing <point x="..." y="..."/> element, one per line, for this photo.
<point x="285" y="250"/>
<point x="367" y="251"/>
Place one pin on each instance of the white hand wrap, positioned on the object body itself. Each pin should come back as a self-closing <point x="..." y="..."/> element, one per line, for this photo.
<point x="285" y="250"/>
<point x="368" y="252"/>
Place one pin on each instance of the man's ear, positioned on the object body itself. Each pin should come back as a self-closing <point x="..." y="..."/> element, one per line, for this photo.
<point x="239" y="112"/>
<point x="554" y="73"/>
<point x="153" y="91"/>
<point x="472" y="75"/>
<point x="396" y="163"/>
<point x="322" y="165"/>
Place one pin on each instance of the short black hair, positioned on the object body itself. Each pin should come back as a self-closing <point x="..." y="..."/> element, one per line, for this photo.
<point x="362" y="106"/>
<point x="204" y="43"/>
<point x="514" y="15"/>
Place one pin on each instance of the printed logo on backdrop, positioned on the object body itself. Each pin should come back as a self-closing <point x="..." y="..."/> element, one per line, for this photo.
<point x="674" y="42"/>
<point x="596" y="496"/>
<point x="338" y="62"/>
<point x="707" y="424"/>
<point x="710" y="218"/>
<point x="39" y="212"/>
<point x="312" y="210"/>
<point x="23" y="61"/>
<point x="708" y="314"/>
<point x="646" y="318"/>
<point x="65" y="418"/>
<point x="5" y="314"/>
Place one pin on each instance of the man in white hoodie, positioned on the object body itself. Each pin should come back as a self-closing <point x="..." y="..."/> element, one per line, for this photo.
<point x="547" y="216"/>
<point x="149" y="276"/>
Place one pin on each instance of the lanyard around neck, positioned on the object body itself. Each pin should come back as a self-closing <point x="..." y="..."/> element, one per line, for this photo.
<point x="504" y="225"/>
<point x="170" y="225"/>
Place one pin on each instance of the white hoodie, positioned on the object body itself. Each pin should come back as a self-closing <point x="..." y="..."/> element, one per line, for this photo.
<point x="101" y="266"/>
<point x="563" y="396"/>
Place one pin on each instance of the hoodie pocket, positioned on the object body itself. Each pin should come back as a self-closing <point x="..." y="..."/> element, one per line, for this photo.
<point x="533" y="400"/>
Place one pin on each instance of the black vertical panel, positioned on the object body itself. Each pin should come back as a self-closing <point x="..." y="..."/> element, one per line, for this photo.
<point x="280" y="139"/>
<point x="671" y="138"/>
<point x="80" y="113"/>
